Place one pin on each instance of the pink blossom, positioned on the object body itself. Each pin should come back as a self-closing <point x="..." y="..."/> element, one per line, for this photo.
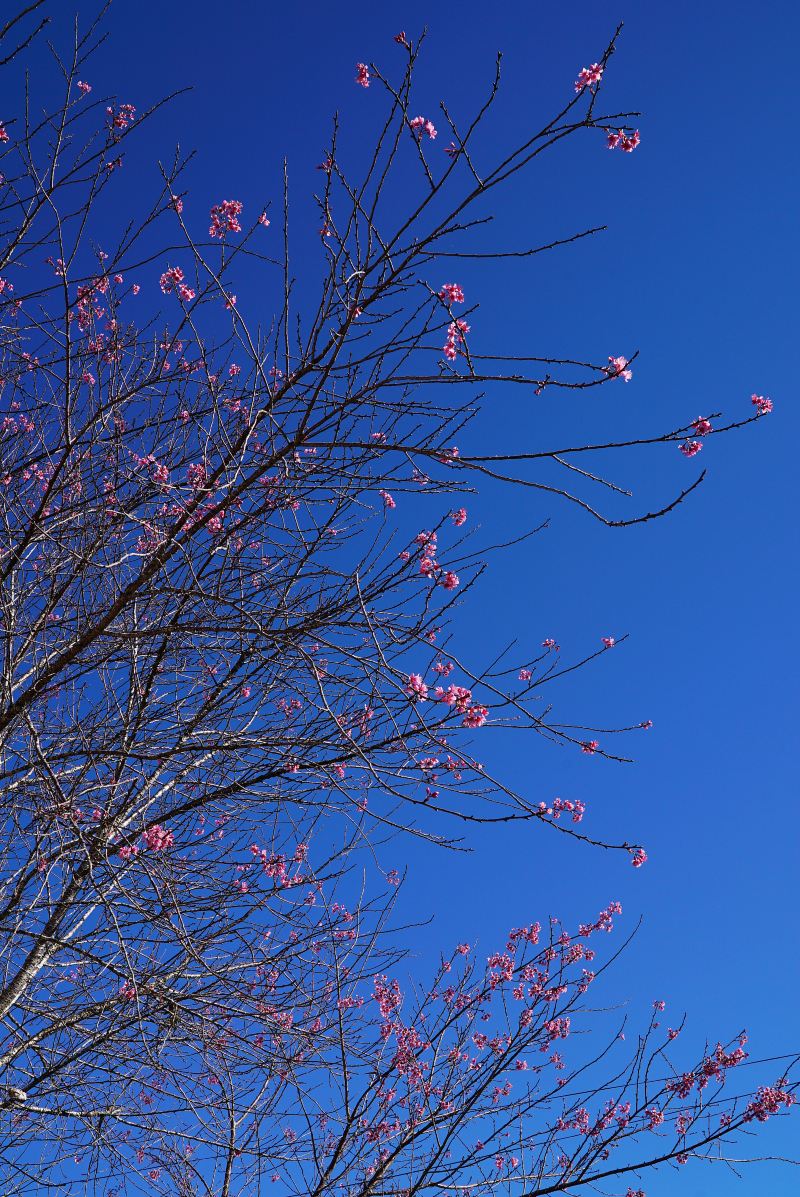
<point x="416" y="688"/>
<point x="264" y="220"/>
<point x="420" y="125"/>
<point x="769" y="1100"/>
<point x="196" y="475"/>
<point x="459" y="517"/>
<point x="400" y="38"/>
<point x="455" y="337"/>
<point x="362" y="74"/>
<point x="451" y="293"/>
<point x="225" y="218"/>
<point x="639" y="858"/>
<point x="388" y="501"/>
<point x="617" y="368"/>
<point x="450" y="580"/>
<point x="525" y="675"/>
<point x="3" y="132"/>
<point x="171" y="279"/>
<point x="550" y="643"/>
<point x="762" y="405"/>
<point x="475" y="716"/>
<point x="589" y="76"/>
<point x="122" y="116"/>
<point x="690" y="448"/>
<point x="609" y="641"/>
<point x="84" y="88"/>
<point x="590" y="746"/>
<point x="620" y="140"/>
<point x="157" y="839"/>
<point x="701" y="426"/>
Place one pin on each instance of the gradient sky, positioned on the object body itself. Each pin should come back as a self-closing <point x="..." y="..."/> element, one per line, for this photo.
<point x="698" y="271"/>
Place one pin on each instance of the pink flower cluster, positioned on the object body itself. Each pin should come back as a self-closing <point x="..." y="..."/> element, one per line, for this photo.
<point x="762" y="405"/>
<point x="172" y="280"/>
<point x="769" y="1100"/>
<point x="589" y="76"/>
<point x="420" y="125"/>
<point x="121" y="117"/>
<point x="701" y="426"/>
<point x="157" y="839"/>
<point x="639" y="858"/>
<point x="451" y="293"/>
<point x="618" y="368"/>
<point x="455" y="338"/>
<point x="416" y="688"/>
<point x="362" y="74"/>
<point x="690" y="448"/>
<point x="560" y="806"/>
<point x="620" y="140"/>
<point x="225" y="218"/>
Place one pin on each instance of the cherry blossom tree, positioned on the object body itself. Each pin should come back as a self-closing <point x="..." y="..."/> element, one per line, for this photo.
<point x="227" y="680"/>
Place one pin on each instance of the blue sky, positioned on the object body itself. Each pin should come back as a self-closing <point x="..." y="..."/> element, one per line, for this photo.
<point x="698" y="272"/>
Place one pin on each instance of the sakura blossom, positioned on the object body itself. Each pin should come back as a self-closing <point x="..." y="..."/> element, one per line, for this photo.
<point x="456" y="333"/>
<point x="618" y="368"/>
<point x="451" y="293"/>
<point x="362" y="74"/>
<point x="620" y="140"/>
<point x="416" y="688"/>
<point x="690" y="448"/>
<point x="420" y="125"/>
<point x="589" y="77"/>
<point x="225" y="218"/>
<point x="762" y="405"/>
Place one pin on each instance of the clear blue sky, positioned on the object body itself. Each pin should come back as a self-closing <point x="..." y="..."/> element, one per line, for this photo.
<point x="698" y="271"/>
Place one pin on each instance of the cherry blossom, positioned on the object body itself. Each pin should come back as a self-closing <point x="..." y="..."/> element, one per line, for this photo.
<point x="690" y="448"/>
<point x="618" y="368"/>
<point x="416" y="688"/>
<point x="620" y="140"/>
<point x="362" y="74"/>
<point x="589" y="76"/>
<point x="762" y="405"/>
<point x="225" y="218"/>
<point x="451" y="293"/>
<point x="420" y="125"/>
